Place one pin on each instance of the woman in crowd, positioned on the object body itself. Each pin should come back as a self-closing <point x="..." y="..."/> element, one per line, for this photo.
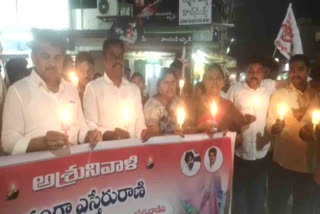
<point x="159" y="110"/>
<point x="138" y="79"/>
<point x="228" y="117"/>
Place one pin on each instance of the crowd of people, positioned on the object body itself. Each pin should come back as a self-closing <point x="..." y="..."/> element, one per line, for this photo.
<point x="283" y="148"/>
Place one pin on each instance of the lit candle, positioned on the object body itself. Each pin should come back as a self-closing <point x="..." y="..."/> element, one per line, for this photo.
<point x="73" y="78"/>
<point x="315" y="118"/>
<point x="256" y="102"/>
<point x="181" y="85"/>
<point x="126" y="117"/>
<point x="181" y="115"/>
<point x="282" y="111"/>
<point x="65" y="119"/>
<point x="214" y="110"/>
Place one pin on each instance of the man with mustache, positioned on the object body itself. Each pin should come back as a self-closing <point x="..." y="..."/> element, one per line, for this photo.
<point x="33" y="106"/>
<point x="111" y="103"/>
<point x="250" y="166"/>
<point x="294" y="156"/>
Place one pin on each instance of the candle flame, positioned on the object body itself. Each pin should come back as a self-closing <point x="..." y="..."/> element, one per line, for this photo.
<point x="73" y="78"/>
<point x="181" y="115"/>
<point x="316" y="117"/>
<point x="214" y="108"/>
<point x="65" y="116"/>
<point x="256" y="102"/>
<point x="181" y="84"/>
<point x="126" y="114"/>
<point x="282" y="111"/>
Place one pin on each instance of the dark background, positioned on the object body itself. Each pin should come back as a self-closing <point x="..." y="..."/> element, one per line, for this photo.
<point x="257" y="23"/>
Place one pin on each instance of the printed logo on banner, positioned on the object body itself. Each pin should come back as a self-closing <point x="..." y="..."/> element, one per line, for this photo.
<point x="213" y="159"/>
<point x="190" y="163"/>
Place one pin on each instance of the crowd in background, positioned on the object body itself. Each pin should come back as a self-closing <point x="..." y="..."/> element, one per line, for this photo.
<point x="284" y="149"/>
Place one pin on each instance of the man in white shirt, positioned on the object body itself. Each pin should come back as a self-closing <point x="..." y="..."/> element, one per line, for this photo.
<point x="111" y="103"/>
<point x="250" y="167"/>
<point x="32" y="116"/>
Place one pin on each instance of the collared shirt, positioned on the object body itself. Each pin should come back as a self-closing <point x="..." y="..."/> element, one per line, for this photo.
<point x="243" y="97"/>
<point x="31" y="110"/>
<point x="107" y="106"/>
<point x="289" y="150"/>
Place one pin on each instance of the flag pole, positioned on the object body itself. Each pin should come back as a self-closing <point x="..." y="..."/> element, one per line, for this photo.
<point x="274" y="52"/>
<point x="183" y="61"/>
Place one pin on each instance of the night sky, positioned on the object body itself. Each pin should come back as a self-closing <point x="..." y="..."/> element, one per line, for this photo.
<point x="258" y="22"/>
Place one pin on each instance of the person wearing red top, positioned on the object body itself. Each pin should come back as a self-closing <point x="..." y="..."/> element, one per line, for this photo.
<point x="228" y="117"/>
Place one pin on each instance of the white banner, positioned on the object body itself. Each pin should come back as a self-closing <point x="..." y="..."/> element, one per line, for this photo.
<point x="288" y="41"/>
<point x="193" y="12"/>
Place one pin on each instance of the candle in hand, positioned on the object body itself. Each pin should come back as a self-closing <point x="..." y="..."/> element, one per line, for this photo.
<point x="315" y="118"/>
<point x="214" y="110"/>
<point x="73" y="78"/>
<point x="181" y="85"/>
<point x="282" y="111"/>
<point x="65" y="119"/>
<point x="256" y="102"/>
<point x="181" y="115"/>
<point x="126" y="117"/>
